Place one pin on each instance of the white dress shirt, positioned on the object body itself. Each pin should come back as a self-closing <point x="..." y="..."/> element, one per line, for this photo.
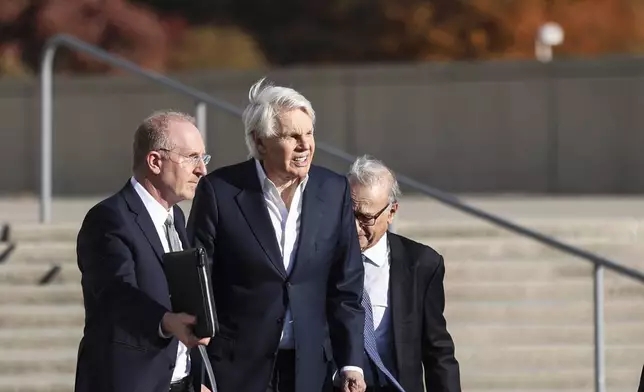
<point x="159" y="214"/>
<point x="376" y="284"/>
<point x="286" y="222"/>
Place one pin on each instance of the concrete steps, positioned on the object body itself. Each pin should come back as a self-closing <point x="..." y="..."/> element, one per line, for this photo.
<point x="16" y="316"/>
<point x="520" y="313"/>
<point x="508" y="335"/>
<point x="563" y="291"/>
<point x="480" y="249"/>
<point x="547" y="379"/>
<point x="31" y="338"/>
<point x="37" y="382"/>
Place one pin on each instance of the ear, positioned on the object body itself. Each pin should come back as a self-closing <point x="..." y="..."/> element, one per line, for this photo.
<point x="392" y="212"/>
<point x="259" y="144"/>
<point x="154" y="161"/>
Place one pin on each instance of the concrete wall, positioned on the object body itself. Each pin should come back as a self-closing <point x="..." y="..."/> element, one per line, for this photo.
<point x="569" y="127"/>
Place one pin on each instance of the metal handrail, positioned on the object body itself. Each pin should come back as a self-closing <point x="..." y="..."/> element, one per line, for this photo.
<point x="202" y="99"/>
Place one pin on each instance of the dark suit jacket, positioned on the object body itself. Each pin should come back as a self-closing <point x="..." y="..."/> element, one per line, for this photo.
<point x="417" y="301"/>
<point x="252" y="290"/>
<point x="641" y="387"/>
<point x="125" y="295"/>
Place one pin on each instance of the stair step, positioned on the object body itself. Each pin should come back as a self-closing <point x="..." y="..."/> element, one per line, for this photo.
<point x="23" y="316"/>
<point x="23" y="361"/>
<point x="551" y="379"/>
<point x="42" y="253"/>
<point x="461" y="271"/>
<point x="36" y="232"/>
<point x="568" y="289"/>
<point x="615" y="228"/>
<point x="485" y="249"/>
<point x="480" y="249"/>
<point x="540" y="312"/>
<point x="546" y="357"/>
<point x="565" y="290"/>
<point x="528" y="270"/>
<point x="54" y="294"/>
<point x="12" y="274"/>
<point x="623" y="228"/>
<point x="37" y="382"/>
<point x="37" y="338"/>
<point x="476" y="335"/>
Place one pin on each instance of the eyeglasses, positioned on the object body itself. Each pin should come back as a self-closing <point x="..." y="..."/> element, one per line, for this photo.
<point x="194" y="160"/>
<point x="370" y="220"/>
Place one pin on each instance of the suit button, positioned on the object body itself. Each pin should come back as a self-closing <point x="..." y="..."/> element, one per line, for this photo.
<point x="280" y="320"/>
<point x="172" y="366"/>
<point x="271" y="355"/>
<point x="287" y="284"/>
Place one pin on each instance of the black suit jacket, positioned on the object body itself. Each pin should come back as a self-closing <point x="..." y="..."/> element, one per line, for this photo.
<point x="252" y="290"/>
<point x="417" y="301"/>
<point x="125" y="295"/>
<point x="641" y="387"/>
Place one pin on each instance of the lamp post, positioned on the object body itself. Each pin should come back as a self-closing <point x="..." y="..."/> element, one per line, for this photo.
<point x="549" y="34"/>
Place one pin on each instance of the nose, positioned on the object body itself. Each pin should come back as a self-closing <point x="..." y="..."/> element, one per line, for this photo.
<point x="303" y="144"/>
<point x="200" y="169"/>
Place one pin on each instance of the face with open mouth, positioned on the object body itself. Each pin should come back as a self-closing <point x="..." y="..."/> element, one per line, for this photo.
<point x="289" y="154"/>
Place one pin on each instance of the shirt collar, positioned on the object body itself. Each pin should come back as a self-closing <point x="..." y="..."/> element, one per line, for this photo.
<point x="157" y="212"/>
<point x="379" y="253"/>
<point x="267" y="183"/>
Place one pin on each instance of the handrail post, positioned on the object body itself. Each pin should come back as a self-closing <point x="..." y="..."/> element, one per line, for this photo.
<point x="201" y="115"/>
<point x="46" y="119"/>
<point x="598" y="307"/>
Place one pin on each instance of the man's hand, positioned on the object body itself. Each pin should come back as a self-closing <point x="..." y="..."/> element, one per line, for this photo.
<point x="352" y="381"/>
<point x="180" y="325"/>
<point x="204" y="388"/>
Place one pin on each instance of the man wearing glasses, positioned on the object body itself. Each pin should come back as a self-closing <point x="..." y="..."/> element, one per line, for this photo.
<point x="132" y="341"/>
<point x="403" y="294"/>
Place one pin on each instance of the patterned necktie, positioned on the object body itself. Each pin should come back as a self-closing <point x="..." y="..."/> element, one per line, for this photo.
<point x="370" y="338"/>
<point x="171" y="234"/>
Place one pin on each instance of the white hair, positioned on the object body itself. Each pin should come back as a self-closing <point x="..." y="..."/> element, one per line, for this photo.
<point x="369" y="172"/>
<point x="266" y="103"/>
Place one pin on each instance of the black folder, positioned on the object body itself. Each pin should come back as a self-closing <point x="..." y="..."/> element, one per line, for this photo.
<point x="190" y="286"/>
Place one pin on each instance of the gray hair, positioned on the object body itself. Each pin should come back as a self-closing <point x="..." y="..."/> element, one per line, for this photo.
<point x="266" y="103"/>
<point x="369" y="172"/>
<point x="152" y="134"/>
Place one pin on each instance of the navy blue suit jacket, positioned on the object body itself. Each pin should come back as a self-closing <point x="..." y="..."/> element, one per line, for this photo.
<point x="125" y="295"/>
<point x="252" y="290"/>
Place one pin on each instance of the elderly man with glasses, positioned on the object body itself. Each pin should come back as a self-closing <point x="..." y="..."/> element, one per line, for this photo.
<point x="403" y="294"/>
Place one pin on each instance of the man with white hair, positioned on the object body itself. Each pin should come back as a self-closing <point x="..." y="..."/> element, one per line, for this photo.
<point x="403" y="294"/>
<point x="285" y="257"/>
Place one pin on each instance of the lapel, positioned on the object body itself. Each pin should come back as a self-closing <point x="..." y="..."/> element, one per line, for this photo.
<point x="310" y="218"/>
<point x="143" y="219"/>
<point x="401" y="286"/>
<point x="180" y="225"/>
<point x="252" y="205"/>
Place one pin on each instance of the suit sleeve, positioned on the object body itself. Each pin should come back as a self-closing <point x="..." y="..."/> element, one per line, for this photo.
<point x="441" y="367"/>
<point x="344" y="292"/>
<point x="108" y="274"/>
<point x="202" y="221"/>
<point x="201" y="228"/>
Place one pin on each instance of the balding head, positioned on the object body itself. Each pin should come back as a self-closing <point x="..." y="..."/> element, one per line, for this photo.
<point x="152" y="135"/>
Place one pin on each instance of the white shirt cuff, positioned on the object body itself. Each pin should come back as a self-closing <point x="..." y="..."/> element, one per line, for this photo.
<point x="162" y="334"/>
